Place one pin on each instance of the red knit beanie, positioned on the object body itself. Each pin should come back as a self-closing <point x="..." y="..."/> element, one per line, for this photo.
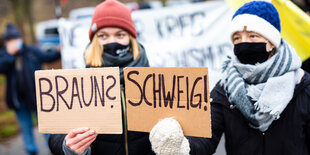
<point x="112" y="13"/>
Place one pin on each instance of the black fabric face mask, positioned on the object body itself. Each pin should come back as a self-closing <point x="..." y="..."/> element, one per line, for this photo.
<point x="116" y="49"/>
<point x="251" y="53"/>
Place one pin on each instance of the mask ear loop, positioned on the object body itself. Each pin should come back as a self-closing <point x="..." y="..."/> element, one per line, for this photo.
<point x="272" y="51"/>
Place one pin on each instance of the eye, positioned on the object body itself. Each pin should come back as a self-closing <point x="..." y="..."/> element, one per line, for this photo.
<point x="120" y="35"/>
<point x="253" y="36"/>
<point x="235" y="38"/>
<point x="102" y="36"/>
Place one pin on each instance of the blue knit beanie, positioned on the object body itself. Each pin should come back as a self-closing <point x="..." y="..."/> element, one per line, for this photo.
<point x="11" y="32"/>
<point x="261" y="17"/>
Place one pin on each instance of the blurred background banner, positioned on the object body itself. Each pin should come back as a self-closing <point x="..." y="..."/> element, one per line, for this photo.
<point x="295" y="24"/>
<point x="191" y="35"/>
<point x="73" y="36"/>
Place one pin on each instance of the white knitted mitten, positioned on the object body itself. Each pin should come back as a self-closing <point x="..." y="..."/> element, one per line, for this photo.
<point x="167" y="138"/>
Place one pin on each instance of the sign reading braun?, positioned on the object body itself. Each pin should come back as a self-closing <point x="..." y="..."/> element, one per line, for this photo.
<point x="98" y="92"/>
<point x="72" y="98"/>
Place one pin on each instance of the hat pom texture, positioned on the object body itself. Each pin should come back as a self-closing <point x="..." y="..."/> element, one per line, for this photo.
<point x="260" y="17"/>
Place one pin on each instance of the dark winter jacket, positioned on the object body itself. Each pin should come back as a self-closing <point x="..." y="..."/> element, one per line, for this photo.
<point x="289" y="135"/>
<point x="32" y="59"/>
<point x="105" y="144"/>
<point x="306" y="65"/>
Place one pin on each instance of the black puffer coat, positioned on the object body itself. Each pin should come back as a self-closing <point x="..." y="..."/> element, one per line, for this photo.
<point x="289" y="135"/>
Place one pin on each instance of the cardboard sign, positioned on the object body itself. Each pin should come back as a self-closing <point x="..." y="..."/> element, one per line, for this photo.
<point x="73" y="98"/>
<point x="153" y="94"/>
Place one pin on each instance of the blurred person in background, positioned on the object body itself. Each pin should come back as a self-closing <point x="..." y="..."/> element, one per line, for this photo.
<point x="18" y="62"/>
<point x="262" y="102"/>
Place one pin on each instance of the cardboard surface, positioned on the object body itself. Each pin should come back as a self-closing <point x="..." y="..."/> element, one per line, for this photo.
<point x="68" y="99"/>
<point x="157" y="93"/>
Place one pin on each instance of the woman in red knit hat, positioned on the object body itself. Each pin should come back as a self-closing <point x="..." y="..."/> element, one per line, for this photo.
<point x="113" y="43"/>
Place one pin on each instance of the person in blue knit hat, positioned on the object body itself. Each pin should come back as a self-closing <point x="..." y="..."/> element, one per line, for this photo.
<point x="262" y="102"/>
<point x="18" y="62"/>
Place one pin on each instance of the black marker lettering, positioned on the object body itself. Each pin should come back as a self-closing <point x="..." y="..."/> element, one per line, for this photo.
<point x="179" y="92"/>
<point x="112" y="86"/>
<point x="77" y="94"/>
<point x="144" y="85"/>
<point x="97" y="89"/>
<point x="156" y="91"/>
<point x="92" y="90"/>
<point x="46" y="93"/>
<point x="199" y="95"/>
<point x="168" y="98"/>
<point x="136" y="83"/>
<point x="59" y="93"/>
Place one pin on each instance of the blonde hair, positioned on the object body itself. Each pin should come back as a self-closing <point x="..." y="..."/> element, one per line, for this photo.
<point x="93" y="53"/>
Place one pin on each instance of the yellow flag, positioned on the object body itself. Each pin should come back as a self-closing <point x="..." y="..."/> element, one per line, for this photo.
<point x="295" y="24"/>
<point x="235" y="4"/>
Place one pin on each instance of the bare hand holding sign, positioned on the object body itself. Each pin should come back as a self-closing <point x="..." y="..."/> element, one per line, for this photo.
<point x="156" y="93"/>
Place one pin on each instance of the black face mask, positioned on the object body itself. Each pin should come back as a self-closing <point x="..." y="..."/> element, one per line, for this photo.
<point x="251" y="53"/>
<point x="116" y="49"/>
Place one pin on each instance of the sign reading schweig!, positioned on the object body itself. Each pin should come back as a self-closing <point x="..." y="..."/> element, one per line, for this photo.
<point x="156" y="93"/>
<point x="68" y="99"/>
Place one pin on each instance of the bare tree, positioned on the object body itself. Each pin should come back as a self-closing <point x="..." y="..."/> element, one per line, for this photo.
<point x="28" y="12"/>
<point x="164" y="2"/>
<point x="18" y="14"/>
<point x="23" y="14"/>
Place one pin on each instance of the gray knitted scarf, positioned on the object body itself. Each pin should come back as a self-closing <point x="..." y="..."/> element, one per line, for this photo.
<point x="262" y="91"/>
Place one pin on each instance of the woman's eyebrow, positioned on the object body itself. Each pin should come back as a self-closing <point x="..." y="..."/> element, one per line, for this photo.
<point x="252" y="32"/>
<point x="101" y="32"/>
<point x="120" y="31"/>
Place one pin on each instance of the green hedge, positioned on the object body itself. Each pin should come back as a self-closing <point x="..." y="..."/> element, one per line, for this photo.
<point x="2" y="79"/>
<point x="8" y="125"/>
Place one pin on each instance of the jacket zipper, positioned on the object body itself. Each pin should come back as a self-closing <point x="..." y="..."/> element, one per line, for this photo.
<point x="264" y="143"/>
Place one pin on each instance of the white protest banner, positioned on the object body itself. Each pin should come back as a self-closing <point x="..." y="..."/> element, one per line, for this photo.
<point x="191" y="35"/>
<point x="74" y="40"/>
<point x="195" y="35"/>
<point x="72" y="98"/>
